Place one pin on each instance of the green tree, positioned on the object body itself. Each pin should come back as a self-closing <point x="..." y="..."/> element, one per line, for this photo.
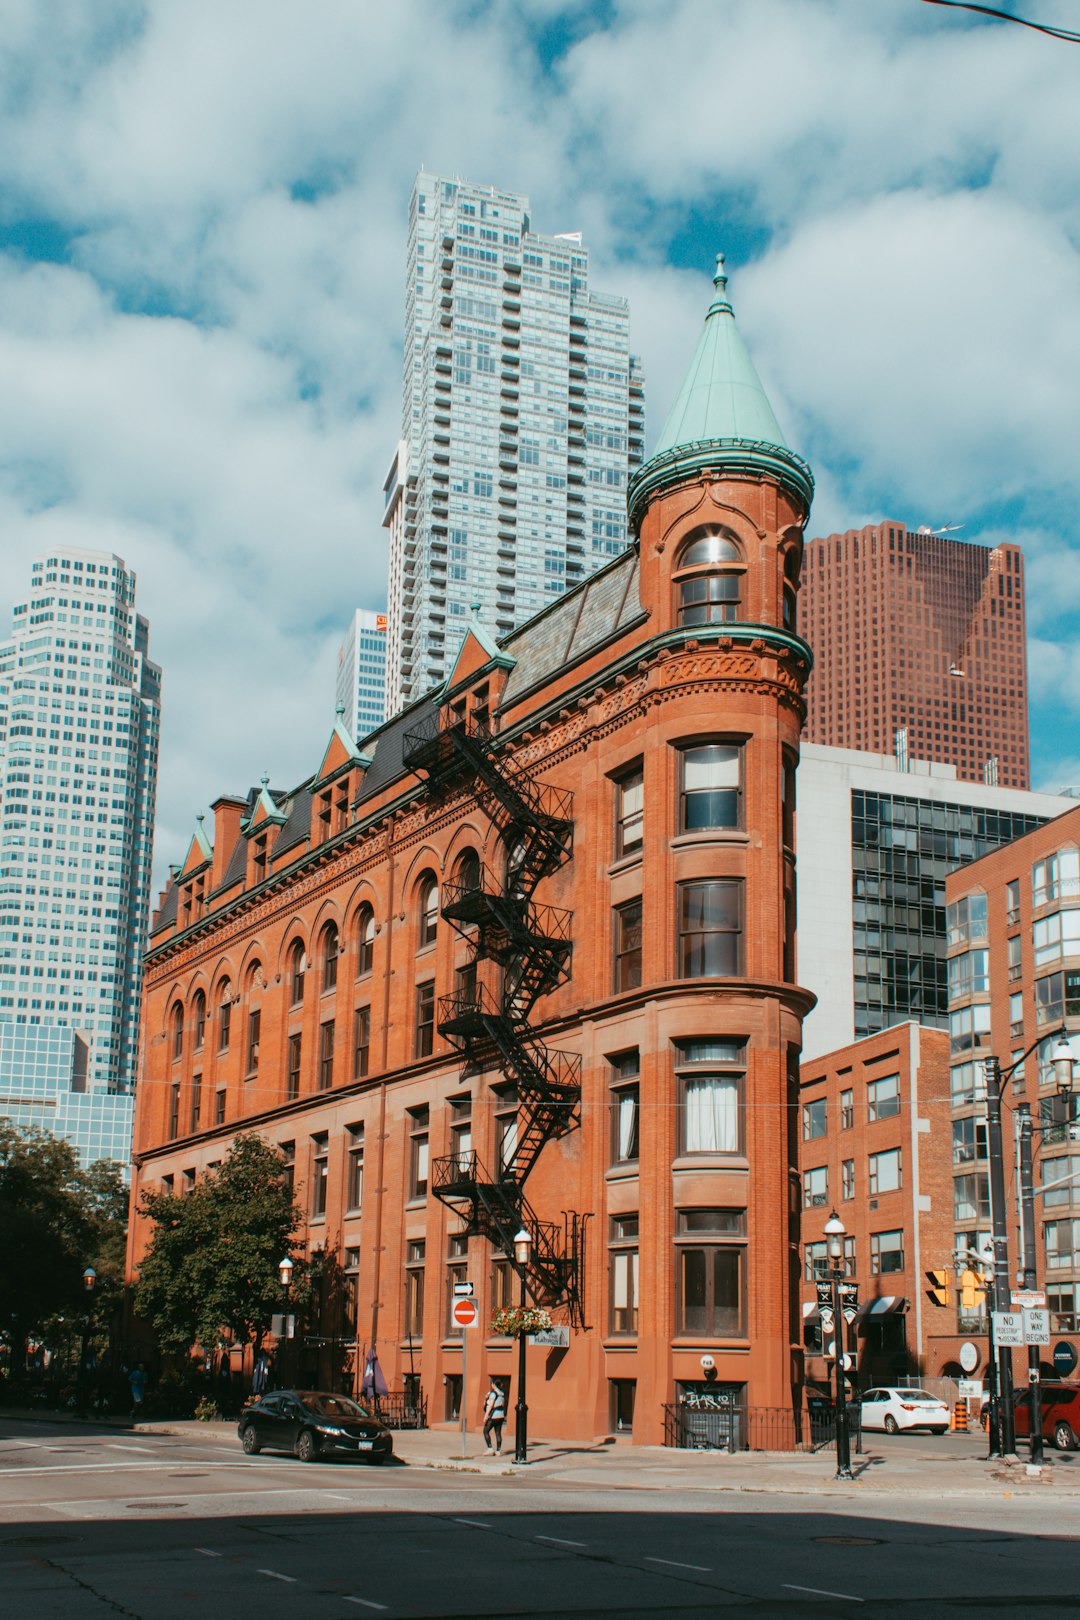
<point x="211" y="1267"/>
<point x="55" y="1220"/>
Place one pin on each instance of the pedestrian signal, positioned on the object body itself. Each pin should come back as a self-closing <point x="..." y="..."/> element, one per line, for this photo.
<point x="940" y="1290"/>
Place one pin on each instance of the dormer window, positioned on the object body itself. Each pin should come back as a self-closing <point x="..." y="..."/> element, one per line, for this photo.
<point x="709" y="580"/>
<point x="260" y="858"/>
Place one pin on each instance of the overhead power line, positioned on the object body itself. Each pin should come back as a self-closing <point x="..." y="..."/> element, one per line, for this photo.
<point x="1068" y="34"/>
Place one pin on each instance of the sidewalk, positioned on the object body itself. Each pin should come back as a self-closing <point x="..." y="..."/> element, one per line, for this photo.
<point x="606" y="1464"/>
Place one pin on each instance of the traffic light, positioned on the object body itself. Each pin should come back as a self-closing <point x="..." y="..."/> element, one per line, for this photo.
<point x="940" y="1290"/>
<point x="972" y="1290"/>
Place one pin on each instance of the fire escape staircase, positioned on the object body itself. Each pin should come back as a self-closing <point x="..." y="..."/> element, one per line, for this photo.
<point x="525" y="947"/>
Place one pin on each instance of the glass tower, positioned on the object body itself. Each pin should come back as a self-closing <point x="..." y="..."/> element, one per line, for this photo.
<point x="361" y="676"/>
<point x="79" y="719"/>
<point x="523" y="413"/>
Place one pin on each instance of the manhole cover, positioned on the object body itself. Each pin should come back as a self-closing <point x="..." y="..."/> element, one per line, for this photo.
<point x="187" y="1476"/>
<point x="37" y="1541"/>
<point x="149" y="1506"/>
<point x="849" y="1541"/>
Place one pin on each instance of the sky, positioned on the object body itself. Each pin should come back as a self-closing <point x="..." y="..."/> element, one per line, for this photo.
<point x="203" y="211"/>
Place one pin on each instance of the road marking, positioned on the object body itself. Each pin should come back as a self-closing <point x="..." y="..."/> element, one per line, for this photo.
<point x="365" y="1603"/>
<point x="147" y="1451"/>
<point x="476" y="1524"/>
<point x="103" y="1467"/>
<point x="336" y="1496"/>
<point x="561" y="1542"/>
<point x="274" y="1576"/>
<point x="672" y="1563"/>
<point x="819" y="1591"/>
<point x="207" y="1552"/>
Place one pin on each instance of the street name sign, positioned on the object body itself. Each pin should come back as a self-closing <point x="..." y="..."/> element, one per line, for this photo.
<point x="1027" y="1299"/>
<point x="555" y="1338"/>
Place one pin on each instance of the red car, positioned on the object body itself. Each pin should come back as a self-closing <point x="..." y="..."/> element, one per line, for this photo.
<point x="1060" y="1415"/>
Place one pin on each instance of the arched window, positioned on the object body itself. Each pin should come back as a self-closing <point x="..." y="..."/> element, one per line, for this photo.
<point x="177" y="1031"/>
<point x="224" y="1015"/>
<point x="365" y="940"/>
<point x="256" y="982"/>
<point x="198" y="1016"/>
<point x="429" y="908"/>
<point x="708" y="580"/>
<point x="791" y="587"/>
<point x="297" y="970"/>
<point x="328" y="953"/>
<point x="467" y="875"/>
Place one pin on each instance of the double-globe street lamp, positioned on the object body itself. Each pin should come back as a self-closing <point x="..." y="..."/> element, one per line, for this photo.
<point x="522" y="1254"/>
<point x="89" y="1278"/>
<point x="285" y="1273"/>
<point x="835" y="1232"/>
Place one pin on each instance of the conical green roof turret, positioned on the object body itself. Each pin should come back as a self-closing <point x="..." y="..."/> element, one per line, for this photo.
<point x="721" y="417"/>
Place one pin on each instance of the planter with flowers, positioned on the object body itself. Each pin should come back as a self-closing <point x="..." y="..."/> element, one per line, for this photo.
<point x="514" y="1320"/>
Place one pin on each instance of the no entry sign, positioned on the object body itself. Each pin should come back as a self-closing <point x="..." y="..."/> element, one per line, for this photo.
<point x="465" y="1312"/>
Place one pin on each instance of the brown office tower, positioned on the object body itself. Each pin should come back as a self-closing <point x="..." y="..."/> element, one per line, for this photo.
<point x="919" y="650"/>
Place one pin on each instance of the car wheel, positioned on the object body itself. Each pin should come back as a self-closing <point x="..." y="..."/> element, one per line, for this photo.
<point x="250" y="1441"/>
<point x="306" y="1448"/>
<point x="1064" y="1439"/>
<point x="939" y="1430"/>
<point x="891" y="1425"/>
<point x="376" y="1462"/>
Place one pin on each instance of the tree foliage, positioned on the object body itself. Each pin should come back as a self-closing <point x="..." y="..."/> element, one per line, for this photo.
<point x="211" y="1267"/>
<point x="55" y="1219"/>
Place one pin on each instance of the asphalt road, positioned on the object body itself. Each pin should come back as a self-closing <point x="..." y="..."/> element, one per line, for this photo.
<point x="96" y="1524"/>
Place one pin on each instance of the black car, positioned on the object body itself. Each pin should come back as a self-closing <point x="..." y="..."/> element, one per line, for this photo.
<point x="312" y="1424"/>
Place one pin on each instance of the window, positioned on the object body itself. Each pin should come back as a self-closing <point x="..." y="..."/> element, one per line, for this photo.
<point x="969" y="1027"/>
<point x="965" y="920"/>
<point x="969" y="974"/>
<point x="1062" y="1239"/>
<point x="254" y="1021"/>
<point x="1053" y="936"/>
<point x="967" y="1084"/>
<point x="629" y="812"/>
<point x="219" y="1105"/>
<point x="224" y="1019"/>
<point x="847" y="1110"/>
<point x="710" y="796"/>
<point x="461" y="1133"/>
<point x="710" y="928"/>
<point x="815" y="1184"/>
<point x="886" y="1252"/>
<point x="711" y="1271"/>
<point x="502" y="1284"/>
<point x="354" y="1167"/>
<point x="177" y="1032"/>
<point x="429" y="910"/>
<point x="883" y="1097"/>
<point x="814" y="1119"/>
<point x="350" y="1289"/>
<point x="623" y="1267"/>
<point x="627" y="945"/>
<point x="288" y="1154"/>
<point x="971" y="1197"/>
<point x="847" y="1178"/>
<point x="817" y="1261"/>
<point x="292" y="1068"/>
<point x="365" y="940"/>
<point x="361" y="1041"/>
<point x="708" y="580"/>
<point x="1056" y="878"/>
<point x="710" y="1096"/>
<point x="1058" y="997"/>
<point x="457" y="1271"/>
<point x="418" y="1152"/>
<point x="506" y="1127"/>
<point x="884" y="1172"/>
<point x="326" y="1055"/>
<point x="320" y="1174"/>
<point x="414" y="1288"/>
<point x="425" y="1018"/>
<point x="297" y="971"/>
<point x="329" y="957"/>
<point x="198" y="1009"/>
<point x="625" y="1109"/>
<point x="174" y="1111"/>
<point x="1014" y="946"/>
<point x="1012" y="901"/>
<point x="968" y="1140"/>
<point x="196" y="1100"/>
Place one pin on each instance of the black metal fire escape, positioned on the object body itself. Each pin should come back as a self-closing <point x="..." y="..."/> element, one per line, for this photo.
<point x="520" y="951"/>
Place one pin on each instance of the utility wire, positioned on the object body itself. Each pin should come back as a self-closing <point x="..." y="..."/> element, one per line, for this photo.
<point x="1068" y="34"/>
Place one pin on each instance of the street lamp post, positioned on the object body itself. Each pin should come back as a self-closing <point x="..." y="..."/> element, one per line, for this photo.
<point x="89" y="1278"/>
<point x="835" y="1232"/>
<point x="285" y="1271"/>
<point x="522" y="1253"/>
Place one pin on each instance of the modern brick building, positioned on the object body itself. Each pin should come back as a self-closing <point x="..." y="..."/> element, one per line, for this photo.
<point x="526" y="954"/>
<point x="919" y="649"/>
<point x="874" y="1147"/>
<point x="1014" y="976"/>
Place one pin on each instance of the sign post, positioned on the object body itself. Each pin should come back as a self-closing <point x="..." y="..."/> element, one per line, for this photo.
<point x="465" y="1312"/>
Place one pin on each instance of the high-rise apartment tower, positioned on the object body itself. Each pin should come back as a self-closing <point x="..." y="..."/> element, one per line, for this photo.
<point x="919" y="649"/>
<point x="523" y="414"/>
<point x="79" y="714"/>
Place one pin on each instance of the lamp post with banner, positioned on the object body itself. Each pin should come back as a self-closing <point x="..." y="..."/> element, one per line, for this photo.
<point x="836" y="1315"/>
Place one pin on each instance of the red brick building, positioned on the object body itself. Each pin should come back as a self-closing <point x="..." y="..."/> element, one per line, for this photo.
<point x="920" y="636"/>
<point x="874" y="1147"/>
<point x="527" y="955"/>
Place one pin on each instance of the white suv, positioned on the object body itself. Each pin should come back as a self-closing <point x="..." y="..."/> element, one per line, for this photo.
<point x="896" y="1409"/>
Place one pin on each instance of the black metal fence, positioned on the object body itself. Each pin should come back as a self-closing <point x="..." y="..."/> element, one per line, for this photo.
<point x="710" y="1423"/>
<point x="400" y="1409"/>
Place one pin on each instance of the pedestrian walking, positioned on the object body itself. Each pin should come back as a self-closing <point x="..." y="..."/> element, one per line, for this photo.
<point x="137" y="1380"/>
<point x="494" y="1416"/>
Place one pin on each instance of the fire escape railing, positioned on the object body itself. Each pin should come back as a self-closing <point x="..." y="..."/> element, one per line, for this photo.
<point x="529" y="945"/>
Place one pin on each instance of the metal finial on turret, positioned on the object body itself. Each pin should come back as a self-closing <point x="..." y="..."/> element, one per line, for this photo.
<point x="720" y="279"/>
<point x="340" y="712"/>
<point x="265" y="779"/>
<point x="475" y="605"/>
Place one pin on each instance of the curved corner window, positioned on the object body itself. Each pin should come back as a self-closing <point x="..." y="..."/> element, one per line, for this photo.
<point x="709" y="580"/>
<point x="711" y="787"/>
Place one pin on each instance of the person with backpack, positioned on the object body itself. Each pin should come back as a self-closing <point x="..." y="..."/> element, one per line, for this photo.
<point x="494" y="1416"/>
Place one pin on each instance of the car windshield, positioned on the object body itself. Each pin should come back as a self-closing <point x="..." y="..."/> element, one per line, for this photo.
<point x="334" y="1406"/>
